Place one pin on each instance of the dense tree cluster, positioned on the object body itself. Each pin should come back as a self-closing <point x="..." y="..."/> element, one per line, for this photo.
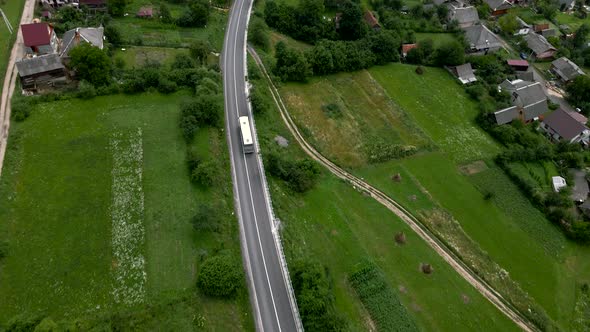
<point x="195" y="15"/>
<point x="578" y="92"/>
<point x="220" y="276"/>
<point x="300" y="175"/>
<point x="91" y="64"/>
<point x="313" y="290"/>
<point x="576" y="48"/>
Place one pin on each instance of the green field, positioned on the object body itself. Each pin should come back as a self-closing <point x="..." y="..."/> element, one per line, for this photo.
<point x="437" y="38"/>
<point x="343" y="228"/>
<point x="440" y="107"/>
<point x="12" y="9"/>
<point x="151" y="32"/>
<point x="137" y="56"/>
<point x="59" y="206"/>
<point x="366" y="113"/>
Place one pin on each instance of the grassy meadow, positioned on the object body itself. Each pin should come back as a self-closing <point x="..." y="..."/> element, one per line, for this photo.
<point x="137" y="56"/>
<point x="58" y="196"/>
<point x="13" y="10"/>
<point x="437" y="38"/>
<point x="344" y="228"/>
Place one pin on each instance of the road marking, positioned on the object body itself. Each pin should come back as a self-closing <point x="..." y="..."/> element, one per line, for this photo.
<point x="249" y="184"/>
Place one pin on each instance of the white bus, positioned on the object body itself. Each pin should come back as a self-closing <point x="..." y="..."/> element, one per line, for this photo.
<point x="246" y="135"/>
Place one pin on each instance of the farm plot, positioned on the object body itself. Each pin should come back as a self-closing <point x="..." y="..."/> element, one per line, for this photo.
<point x="95" y="208"/>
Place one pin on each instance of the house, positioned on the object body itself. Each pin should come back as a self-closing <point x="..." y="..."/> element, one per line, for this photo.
<point x="465" y="16"/>
<point x="558" y="183"/>
<point x="528" y="100"/>
<point x="565" y="69"/>
<point x="561" y="125"/>
<point x="498" y="7"/>
<point x="540" y="27"/>
<point x="56" y="3"/>
<point x="464" y="73"/>
<point x="541" y="48"/>
<point x="579" y="117"/>
<point x="580" y="190"/>
<point x="406" y="49"/>
<point x="518" y="65"/>
<point x="39" y="38"/>
<point x="371" y="20"/>
<point x="40" y="71"/>
<point x="528" y="75"/>
<point x="145" y="12"/>
<point x="94" y="5"/>
<point x="74" y="37"/>
<point x="567" y="5"/>
<point x="481" y="40"/>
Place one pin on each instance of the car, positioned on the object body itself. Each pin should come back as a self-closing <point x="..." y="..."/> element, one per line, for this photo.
<point x="523" y="55"/>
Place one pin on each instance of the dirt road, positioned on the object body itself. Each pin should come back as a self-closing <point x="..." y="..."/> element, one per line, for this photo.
<point x="455" y="262"/>
<point x="10" y="79"/>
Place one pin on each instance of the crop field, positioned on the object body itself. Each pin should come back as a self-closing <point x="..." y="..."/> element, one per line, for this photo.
<point x="95" y="206"/>
<point x="364" y="114"/>
<point x="152" y="32"/>
<point x="345" y="228"/>
<point x="440" y="107"/>
<point x="137" y="56"/>
<point x="12" y="9"/>
<point x="539" y="173"/>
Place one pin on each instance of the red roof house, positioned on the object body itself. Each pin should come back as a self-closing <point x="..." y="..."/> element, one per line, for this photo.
<point x="39" y="38"/>
<point x="519" y="65"/>
<point x="407" y="47"/>
<point x="372" y="20"/>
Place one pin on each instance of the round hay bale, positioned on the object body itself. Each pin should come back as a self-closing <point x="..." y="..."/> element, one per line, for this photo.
<point x="397" y="177"/>
<point x="400" y="238"/>
<point x="426" y="268"/>
<point x="419" y="70"/>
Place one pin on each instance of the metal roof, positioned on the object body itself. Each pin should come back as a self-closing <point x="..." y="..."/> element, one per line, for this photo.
<point x="38" y="65"/>
<point x="564" y="124"/>
<point x="36" y="34"/>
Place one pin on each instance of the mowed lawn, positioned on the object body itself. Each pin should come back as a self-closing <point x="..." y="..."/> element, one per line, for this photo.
<point x="440" y="107"/>
<point x="138" y="56"/>
<point x="13" y="10"/>
<point x="56" y="198"/>
<point x="366" y="113"/>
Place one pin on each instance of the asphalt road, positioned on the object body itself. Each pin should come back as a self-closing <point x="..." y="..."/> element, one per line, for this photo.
<point x="269" y="294"/>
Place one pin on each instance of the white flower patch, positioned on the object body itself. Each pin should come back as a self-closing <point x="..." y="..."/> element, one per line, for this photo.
<point x="129" y="276"/>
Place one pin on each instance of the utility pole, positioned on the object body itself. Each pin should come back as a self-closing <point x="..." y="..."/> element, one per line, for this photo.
<point x="7" y="22"/>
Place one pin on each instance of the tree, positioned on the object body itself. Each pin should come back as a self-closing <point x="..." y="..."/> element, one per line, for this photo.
<point x="450" y="54"/>
<point x="352" y="25"/>
<point x="578" y="92"/>
<point x="581" y="36"/>
<point x="258" y="34"/>
<point x="291" y="65"/>
<point x="508" y="24"/>
<point x="116" y="7"/>
<point x="204" y="174"/>
<point x="320" y="59"/>
<point x="220" y="276"/>
<point x="199" y="50"/>
<point x="113" y="35"/>
<point x="91" y="64"/>
<point x="165" y="15"/>
<point x="197" y="14"/>
<point x="206" y="219"/>
<point x="205" y="108"/>
<point x="385" y="46"/>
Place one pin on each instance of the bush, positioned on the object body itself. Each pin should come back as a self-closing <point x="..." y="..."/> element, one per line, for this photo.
<point x="86" y="90"/>
<point x="332" y="110"/>
<point x="91" y="64"/>
<point x="220" y="276"/>
<point x="257" y="101"/>
<point x="23" y="323"/>
<point x="206" y="219"/>
<point x="300" y="175"/>
<point x="206" y="109"/>
<point x="204" y="174"/>
<point x="21" y="108"/>
<point x="189" y="126"/>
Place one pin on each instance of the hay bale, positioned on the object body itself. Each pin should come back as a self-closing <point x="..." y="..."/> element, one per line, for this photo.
<point x="397" y="177"/>
<point x="426" y="268"/>
<point x="400" y="238"/>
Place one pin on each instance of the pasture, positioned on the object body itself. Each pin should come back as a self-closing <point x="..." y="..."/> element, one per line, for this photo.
<point x="13" y="10"/>
<point x="75" y="170"/>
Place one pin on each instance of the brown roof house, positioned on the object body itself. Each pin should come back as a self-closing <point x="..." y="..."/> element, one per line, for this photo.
<point x="39" y="39"/>
<point x="499" y="7"/>
<point x="528" y="99"/>
<point x="565" y="69"/>
<point x="464" y="73"/>
<point x="541" y="48"/>
<point x="518" y="65"/>
<point x="75" y="37"/>
<point x="466" y="16"/>
<point x="40" y="71"/>
<point x="371" y="20"/>
<point x="561" y="125"/>
<point x="481" y="40"/>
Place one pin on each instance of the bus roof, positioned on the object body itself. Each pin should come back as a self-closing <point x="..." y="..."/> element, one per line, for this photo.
<point x="245" y="128"/>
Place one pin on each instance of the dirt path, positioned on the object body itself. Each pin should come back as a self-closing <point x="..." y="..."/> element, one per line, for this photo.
<point x="10" y="79"/>
<point x="456" y="263"/>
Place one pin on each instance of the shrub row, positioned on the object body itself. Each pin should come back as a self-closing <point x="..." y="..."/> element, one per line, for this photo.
<point x="300" y="175"/>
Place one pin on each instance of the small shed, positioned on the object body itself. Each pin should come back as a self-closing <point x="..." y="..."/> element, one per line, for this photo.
<point x="558" y="183"/>
<point x="464" y="73"/>
<point x="581" y="189"/>
<point x="518" y="65"/>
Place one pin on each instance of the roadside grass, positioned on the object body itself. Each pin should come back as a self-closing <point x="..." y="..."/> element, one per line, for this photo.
<point x="276" y="37"/>
<point x="440" y="107"/>
<point x="344" y="227"/>
<point x="138" y="56"/>
<point x="54" y="213"/>
<point x="437" y="38"/>
<point x="13" y="10"/>
<point x="152" y="32"/>
<point x="365" y="114"/>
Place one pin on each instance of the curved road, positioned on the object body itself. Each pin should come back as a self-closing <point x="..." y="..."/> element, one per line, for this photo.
<point x="273" y="305"/>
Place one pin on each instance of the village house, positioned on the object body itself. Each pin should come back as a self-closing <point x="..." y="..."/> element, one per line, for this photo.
<point x="528" y="102"/>
<point x="406" y="49"/>
<point x="465" y="16"/>
<point x="518" y="64"/>
<point x="481" y="40"/>
<point x="371" y="20"/>
<point x="40" y="71"/>
<point x="75" y="37"/>
<point x="464" y="73"/>
<point x="540" y="47"/>
<point x="561" y="125"/>
<point x="565" y="69"/>
<point x="498" y="7"/>
<point x="57" y="3"/>
<point x="39" y="39"/>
